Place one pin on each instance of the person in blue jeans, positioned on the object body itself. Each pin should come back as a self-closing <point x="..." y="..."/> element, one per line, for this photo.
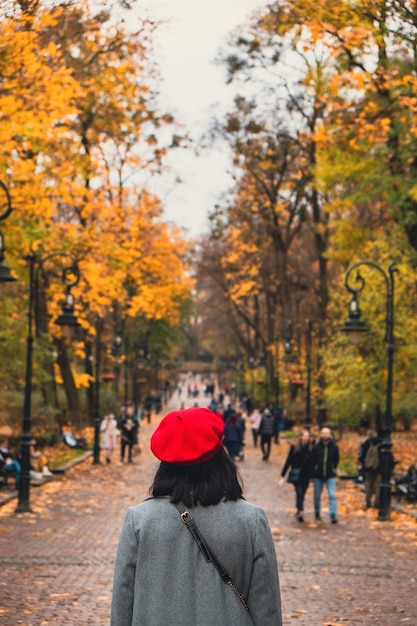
<point x="9" y="465"/>
<point x="325" y="459"/>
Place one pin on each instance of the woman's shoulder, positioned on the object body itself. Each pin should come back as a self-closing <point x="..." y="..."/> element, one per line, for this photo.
<point x="240" y="507"/>
<point x="151" y="502"/>
<point x="149" y="508"/>
<point x="230" y="516"/>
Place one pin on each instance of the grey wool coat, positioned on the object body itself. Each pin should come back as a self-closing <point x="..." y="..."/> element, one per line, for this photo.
<point x="162" y="579"/>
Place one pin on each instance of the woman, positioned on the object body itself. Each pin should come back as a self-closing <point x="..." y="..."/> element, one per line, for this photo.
<point x="299" y="458"/>
<point x="255" y="422"/>
<point x="109" y="438"/>
<point x="161" y="576"/>
<point x="38" y="461"/>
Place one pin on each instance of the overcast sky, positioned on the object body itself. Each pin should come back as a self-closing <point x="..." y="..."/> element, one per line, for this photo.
<point x="191" y="86"/>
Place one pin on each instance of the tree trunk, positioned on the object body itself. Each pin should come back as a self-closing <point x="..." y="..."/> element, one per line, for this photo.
<point x="48" y="387"/>
<point x="71" y="391"/>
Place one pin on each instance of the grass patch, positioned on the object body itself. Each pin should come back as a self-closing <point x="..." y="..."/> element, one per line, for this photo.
<point x="61" y="455"/>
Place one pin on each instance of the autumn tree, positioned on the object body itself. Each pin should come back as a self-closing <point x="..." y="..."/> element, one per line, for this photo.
<point x="373" y="45"/>
<point x="79" y="123"/>
<point x="338" y="77"/>
<point x="276" y="199"/>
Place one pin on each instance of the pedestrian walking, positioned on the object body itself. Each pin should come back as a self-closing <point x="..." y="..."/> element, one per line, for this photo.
<point x="325" y="459"/>
<point x="233" y="435"/>
<point x="299" y="463"/>
<point x="108" y="428"/>
<point x="128" y="436"/>
<point x="228" y="411"/>
<point x="162" y="575"/>
<point x="255" y="422"/>
<point x="369" y="456"/>
<point x="266" y="431"/>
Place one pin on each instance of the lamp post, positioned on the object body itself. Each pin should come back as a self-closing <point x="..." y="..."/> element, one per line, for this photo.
<point x="120" y="346"/>
<point x="289" y="356"/>
<point x="116" y="351"/>
<point x="308" y="363"/>
<point x="126" y="368"/>
<point x="355" y="326"/>
<point x="96" y="404"/>
<point x="65" y="320"/>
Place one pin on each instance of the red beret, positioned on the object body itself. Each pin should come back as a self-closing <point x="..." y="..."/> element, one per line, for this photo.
<point x="188" y="437"/>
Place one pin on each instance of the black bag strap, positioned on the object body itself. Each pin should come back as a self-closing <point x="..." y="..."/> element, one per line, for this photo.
<point x="188" y="520"/>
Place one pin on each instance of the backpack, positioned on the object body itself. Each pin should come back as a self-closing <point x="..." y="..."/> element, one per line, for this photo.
<point x="371" y="460"/>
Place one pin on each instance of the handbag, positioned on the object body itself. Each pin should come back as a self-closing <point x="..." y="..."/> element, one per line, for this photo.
<point x="188" y="520"/>
<point x="294" y="475"/>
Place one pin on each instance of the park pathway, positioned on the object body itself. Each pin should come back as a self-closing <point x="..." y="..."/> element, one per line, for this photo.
<point x="56" y="565"/>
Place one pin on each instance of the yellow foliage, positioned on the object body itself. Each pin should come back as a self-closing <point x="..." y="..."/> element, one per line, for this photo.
<point x="82" y="380"/>
<point x="75" y="111"/>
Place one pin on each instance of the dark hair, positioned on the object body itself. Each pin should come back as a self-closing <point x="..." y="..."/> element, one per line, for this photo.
<point x="205" y="484"/>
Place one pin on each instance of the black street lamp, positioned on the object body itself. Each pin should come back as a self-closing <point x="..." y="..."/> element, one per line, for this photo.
<point x="66" y="319"/>
<point x="105" y="377"/>
<point x="117" y="344"/>
<point x="117" y="350"/>
<point x="96" y="404"/>
<point x="309" y="368"/>
<point x="120" y="346"/>
<point x="355" y="326"/>
<point x="126" y="368"/>
<point x="289" y="356"/>
<point x="5" y="275"/>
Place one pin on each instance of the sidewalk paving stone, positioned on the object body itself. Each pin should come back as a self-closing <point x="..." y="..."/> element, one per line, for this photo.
<point x="56" y="565"/>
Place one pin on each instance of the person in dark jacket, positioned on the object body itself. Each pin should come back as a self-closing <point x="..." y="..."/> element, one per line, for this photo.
<point x="299" y="457"/>
<point x="233" y="435"/>
<point x="266" y="431"/>
<point x="325" y="459"/>
<point x="371" y="470"/>
<point x="128" y="426"/>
